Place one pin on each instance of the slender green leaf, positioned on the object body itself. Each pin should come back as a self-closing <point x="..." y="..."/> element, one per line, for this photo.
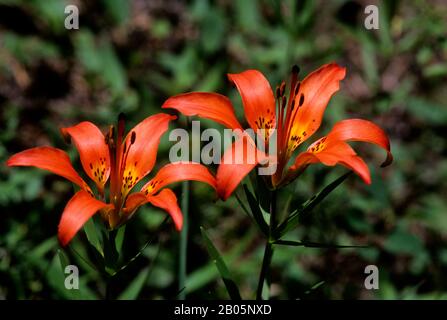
<point x="262" y="192"/>
<point x="183" y="240"/>
<point x="256" y="211"/>
<point x="315" y="287"/>
<point x="232" y="289"/>
<point x="62" y="259"/>
<point x="92" y="236"/>
<point x="110" y="253"/>
<point x="310" y="244"/>
<point x="241" y="203"/>
<point x="135" y="287"/>
<point x="139" y="253"/>
<point x="292" y="221"/>
<point x="120" y="238"/>
<point x="204" y="275"/>
<point x="56" y="278"/>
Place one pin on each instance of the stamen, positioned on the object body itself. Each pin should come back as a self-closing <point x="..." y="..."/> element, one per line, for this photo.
<point x="277" y="92"/>
<point x="297" y="88"/>
<point x="295" y="69"/>
<point x="133" y="137"/>
<point x="292" y="106"/>
<point x="109" y="136"/>
<point x="294" y="79"/>
<point x="282" y="88"/>
<point x="120" y="133"/>
<point x="283" y="102"/>
<point x="110" y="140"/>
<point x="301" y="100"/>
<point x="118" y="152"/>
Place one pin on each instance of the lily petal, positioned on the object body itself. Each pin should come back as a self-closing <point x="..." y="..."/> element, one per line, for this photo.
<point x="51" y="159"/>
<point x="238" y="160"/>
<point x="179" y="171"/>
<point x="79" y="209"/>
<point x="362" y="130"/>
<point x="257" y="99"/>
<point x="317" y="89"/>
<point x="93" y="151"/>
<point x="167" y="201"/>
<point x="211" y="106"/>
<point x="142" y="145"/>
<point x="330" y="154"/>
<point x="134" y="201"/>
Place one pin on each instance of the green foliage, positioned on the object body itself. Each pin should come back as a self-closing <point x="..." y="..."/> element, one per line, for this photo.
<point x="227" y="278"/>
<point x="129" y="56"/>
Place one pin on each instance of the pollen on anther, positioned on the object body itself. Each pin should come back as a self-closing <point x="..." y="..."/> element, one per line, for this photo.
<point x="301" y="100"/>
<point x="297" y="88"/>
<point x="295" y="69"/>
<point x="133" y="137"/>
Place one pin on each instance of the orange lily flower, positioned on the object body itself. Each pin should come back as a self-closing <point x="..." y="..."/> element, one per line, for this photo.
<point x="126" y="161"/>
<point x="295" y="118"/>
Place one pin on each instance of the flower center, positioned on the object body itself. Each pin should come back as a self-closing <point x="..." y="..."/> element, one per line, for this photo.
<point x="287" y="112"/>
<point x="123" y="175"/>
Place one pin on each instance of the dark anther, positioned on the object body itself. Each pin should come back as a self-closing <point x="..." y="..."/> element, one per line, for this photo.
<point x="133" y="136"/>
<point x="284" y="100"/>
<point x="66" y="136"/>
<point x="297" y="88"/>
<point x="295" y="69"/>
<point x="121" y="117"/>
<point x="282" y="88"/>
<point x="277" y="92"/>
<point x="301" y="100"/>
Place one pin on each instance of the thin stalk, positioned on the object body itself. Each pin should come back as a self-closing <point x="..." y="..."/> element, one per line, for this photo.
<point x="268" y="252"/>
<point x="111" y="258"/>
<point x="183" y="241"/>
<point x="183" y="246"/>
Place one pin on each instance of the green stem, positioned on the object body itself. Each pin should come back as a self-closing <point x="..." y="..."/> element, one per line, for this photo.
<point x="183" y="241"/>
<point x="111" y="258"/>
<point x="268" y="252"/>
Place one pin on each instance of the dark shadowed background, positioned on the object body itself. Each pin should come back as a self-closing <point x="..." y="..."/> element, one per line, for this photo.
<point x="131" y="56"/>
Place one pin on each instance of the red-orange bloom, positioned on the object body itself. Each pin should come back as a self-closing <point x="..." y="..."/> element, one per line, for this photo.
<point x="126" y="160"/>
<point x="295" y="119"/>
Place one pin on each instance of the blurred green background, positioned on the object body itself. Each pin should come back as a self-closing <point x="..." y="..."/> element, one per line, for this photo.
<point x="130" y="56"/>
